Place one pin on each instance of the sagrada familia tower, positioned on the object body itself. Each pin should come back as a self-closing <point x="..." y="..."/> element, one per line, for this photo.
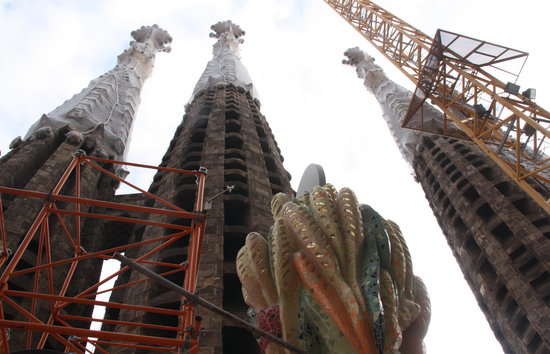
<point x="498" y="235"/>
<point x="222" y="131"/>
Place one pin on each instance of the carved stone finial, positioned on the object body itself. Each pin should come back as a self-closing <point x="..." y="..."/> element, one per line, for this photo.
<point x="227" y="28"/>
<point x="363" y="62"/>
<point x="225" y="68"/>
<point x="154" y="34"/>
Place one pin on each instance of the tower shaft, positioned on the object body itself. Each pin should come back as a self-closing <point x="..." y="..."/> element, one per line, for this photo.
<point x="96" y="122"/>
<point x="497" y="233"/>
<point x="224" y="132"/>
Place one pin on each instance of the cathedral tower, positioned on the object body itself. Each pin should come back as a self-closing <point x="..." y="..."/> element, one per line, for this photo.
<point x="97" y="122"/>
<point x="498" y="235"/>
<point x="223" y="132"/>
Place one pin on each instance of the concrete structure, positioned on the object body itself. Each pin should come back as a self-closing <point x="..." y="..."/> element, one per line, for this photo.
<point x="224" y="132"/>
<point x="97" y="122"/>
<point x="499" y="236"/>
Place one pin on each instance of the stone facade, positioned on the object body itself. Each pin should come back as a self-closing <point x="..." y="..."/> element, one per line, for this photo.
<point x="224" y="132"/>
<point x="499" y="236"/>
<point x="96" y="122"/>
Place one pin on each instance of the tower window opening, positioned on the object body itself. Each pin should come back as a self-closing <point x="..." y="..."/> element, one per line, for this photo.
<point x="205" y="110"/>
<point x="235" y="164"/>
<point x="471" y="157"/>
<point x="472" y="247"/>
<point x="541" y="222"/>
<point x="185" y="197"/>
<point x="450" y="169"/>
<point x="487" y="271"/>
<point x="541" y="280"/>
<point x="235" y="212"/>
<point x="528" y="266"/>
<point x="464" y="151"/>
<point x="234" y="154"/>
<point x="518" y="252"/>
<point x="485" y="212"/>
<point x="501" y="294"/>
<point x="231" y="101"/>
<point x="198" y="137"/>
<point x="231" y="115"/>
<point x="238" y="340"/>
<point x="435" y="152"/>
<point x="451" y="211"/>
<point x="231" y="177"/>
<point x="521" y="325"/>
<point x="162" y="319"/>
<point x="504" y="188"/>
<point x="511" y="309"/>
<point x="260" y="132"/>
<point x="232" y="127"/>
<point x="523" y="206"/>
<point x="487" y="172"/>
<point x="429" y="143"/>
<point x="440" y="157"/>
<point x="270" y="164"/>
<point x="459" y="225"/>
<point x="471" y="194"/>
<point x="233" y="141"/>
<point x="265" y="147"/>
<point x="201" y="123"/>
<point x="195" y="148"/>
<point x="192" y="158"/>
<point x="274" y="179"/>
<point x="460" y="184"/>
<point x="232" y="295"/>
<point x="502" y="233"/>
<point x="535" y="343"/>
<point x="477" y="163"/>
<point x="232" y="243"/>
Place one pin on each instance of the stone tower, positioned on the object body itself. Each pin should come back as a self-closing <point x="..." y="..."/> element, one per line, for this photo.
<point x="224" y="132"/>
<point x="97" y="122"/>
<point x="499" y="236"/>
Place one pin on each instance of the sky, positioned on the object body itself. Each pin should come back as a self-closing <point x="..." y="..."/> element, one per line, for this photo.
<point x="318" y="109"/>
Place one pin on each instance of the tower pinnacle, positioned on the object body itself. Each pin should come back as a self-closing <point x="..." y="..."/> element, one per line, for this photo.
<point x="105" y="110"/>
<point x="392" y="98"/>
<point x="225" y="67"/>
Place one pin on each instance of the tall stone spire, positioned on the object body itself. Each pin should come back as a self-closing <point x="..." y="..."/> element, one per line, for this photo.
<point x="393" y="99"/>
<point x="223" y="131"/>
<point x="497" y="233"/>
<point x="106" y="108"/>
<point x="225" y="67"/>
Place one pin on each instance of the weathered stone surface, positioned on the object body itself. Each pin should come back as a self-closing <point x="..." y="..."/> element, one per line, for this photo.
<point x="498" y="236"/>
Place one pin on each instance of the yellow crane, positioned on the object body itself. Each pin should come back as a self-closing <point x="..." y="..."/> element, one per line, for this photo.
<point x="455" y="73"/>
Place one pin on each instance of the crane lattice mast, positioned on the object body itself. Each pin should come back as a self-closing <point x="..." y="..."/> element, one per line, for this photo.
<point x="506" y="125"/>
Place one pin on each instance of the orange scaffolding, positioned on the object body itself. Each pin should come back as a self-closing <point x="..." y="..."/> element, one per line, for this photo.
<point x="82" y="339"/>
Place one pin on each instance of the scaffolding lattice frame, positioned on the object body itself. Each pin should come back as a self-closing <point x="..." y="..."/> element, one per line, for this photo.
<point x="57" y="206"/>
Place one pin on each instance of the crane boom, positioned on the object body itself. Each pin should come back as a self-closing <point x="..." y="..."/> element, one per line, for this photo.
<point x="506" y="125"/>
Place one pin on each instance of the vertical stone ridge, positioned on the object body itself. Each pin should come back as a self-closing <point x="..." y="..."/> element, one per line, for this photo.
<point x="225" y="67"/>
<point x="106" y="108"/>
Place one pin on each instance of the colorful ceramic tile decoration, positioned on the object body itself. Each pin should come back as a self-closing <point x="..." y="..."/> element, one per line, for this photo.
<point x="333" y="276"/>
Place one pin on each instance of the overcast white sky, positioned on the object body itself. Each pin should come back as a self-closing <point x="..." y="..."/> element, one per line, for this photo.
<point x="317" y="108"/>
